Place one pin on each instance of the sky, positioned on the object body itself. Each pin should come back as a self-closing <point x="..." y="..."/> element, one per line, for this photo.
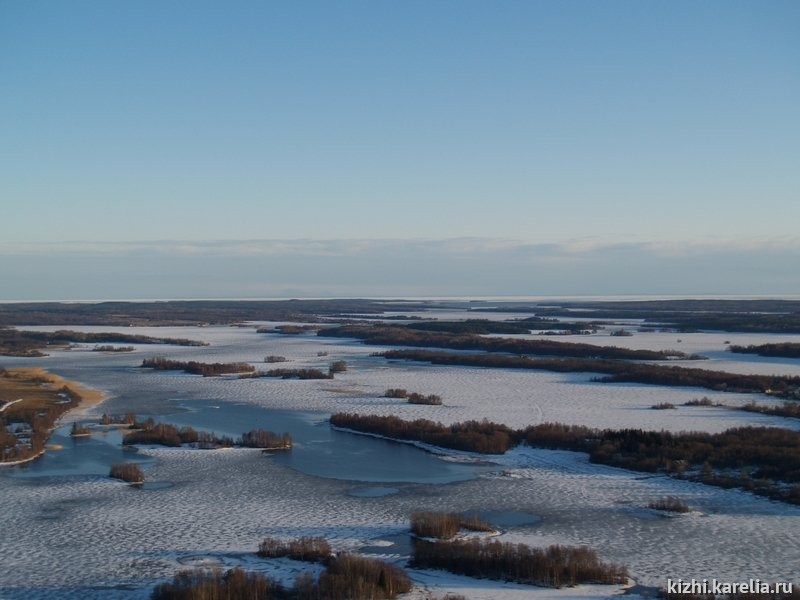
<point x="398" y="148"/>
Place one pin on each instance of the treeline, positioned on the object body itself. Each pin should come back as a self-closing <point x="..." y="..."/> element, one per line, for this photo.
<point x="738" y="323"/>
<point x="787" y="409"/>
<point x="109" y="348"/>
<point x="445" y="526"/>
<point x="785" y="349"/>
<point x="16" y="342"/>
<point x="82" y="337"/>
<point x="746" y="316"/>
<point x="471" y="436"/>
<point x="554" y="566"/>
<point x="290" y="374"/>
<point x="160" y="363"/>
<point x="474" y="326"/>
<point x="203" y="584"/>
<point x="165" y="434"/>
<point x="262" y="438"/>
<point x="346" y="577"/>
<point x="764" y="460"/>
<point x="790" y="409"/>
<point x="289" y="329"/>
<point x="618" y="371"/>
<point x="338" y="366"/>
<point x="486" y="326"/>
<point x="405" y="336"/>
<point x="189" y="312"/>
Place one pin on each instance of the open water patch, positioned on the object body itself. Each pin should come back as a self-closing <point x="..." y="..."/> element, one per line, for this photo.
<point x="90" y="455"/>
<point x="322" y="451"/>
<point x="372" y="492"/>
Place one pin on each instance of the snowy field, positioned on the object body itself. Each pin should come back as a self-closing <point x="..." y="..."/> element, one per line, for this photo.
<point x="78" y="536"/>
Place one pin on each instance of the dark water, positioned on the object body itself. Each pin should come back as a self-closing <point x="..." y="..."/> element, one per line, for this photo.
<point x="92" y="455"/>
<point x="321" y="451"/>
<point x="372" y="492"/>
<point x="318" y="450"/>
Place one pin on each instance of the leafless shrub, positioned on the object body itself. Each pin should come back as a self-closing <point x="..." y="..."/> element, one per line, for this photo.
<point x="553" y="566"/>
<point x="671" y="504"/>
<point x="445" y="525"/>
<point x="307" y="548"/>
<point x="129" y="472"/>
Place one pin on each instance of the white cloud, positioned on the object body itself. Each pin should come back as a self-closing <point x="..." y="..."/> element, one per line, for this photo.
<point x="398" y="267"/>
<point x="466" y="246"/>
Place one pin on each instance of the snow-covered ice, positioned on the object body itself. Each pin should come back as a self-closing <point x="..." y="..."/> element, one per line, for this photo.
<point x="88" y="536"/>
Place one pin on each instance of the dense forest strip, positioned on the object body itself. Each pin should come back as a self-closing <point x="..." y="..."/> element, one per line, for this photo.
<point x="618" y="371"/>
<point x="16" y="342"/>
<point x="109" y="348"/>
<point x="485" y="326"/>
<point x="746" y="316"/>
<point x="166" y="434"/>
<point x="743" y="323"/>
<point x="689" y="305"/>
<point x="745" y="456"/>
<point x="554" y="566"/>
<point x="193" y="312"/>
<point x="289" y="374"/>
<point x="407" y="336"/>
<point x="764" y="460"/>
<point x="767" y="316"/>
<point x="785" y="350"/>
<point x="788" y="409"/>
<point x="82" y="337"/>
<point x="159" y="363"/>
<point x="346" y="577"/>
<point x="470" y="436"/>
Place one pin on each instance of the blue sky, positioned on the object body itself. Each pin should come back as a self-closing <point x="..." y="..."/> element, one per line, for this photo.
<point x="450" y="147"/>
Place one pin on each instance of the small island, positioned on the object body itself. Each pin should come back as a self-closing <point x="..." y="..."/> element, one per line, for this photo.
<point x="165" y="434"/>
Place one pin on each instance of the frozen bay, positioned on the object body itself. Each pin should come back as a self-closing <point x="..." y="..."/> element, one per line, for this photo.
<point x="72" y="532"/>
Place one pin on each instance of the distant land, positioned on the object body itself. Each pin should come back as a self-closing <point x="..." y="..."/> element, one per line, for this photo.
<point x="723" y="314"/>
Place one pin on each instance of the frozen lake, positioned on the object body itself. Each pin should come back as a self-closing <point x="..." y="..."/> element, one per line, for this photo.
<point x="71" y="532"/>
